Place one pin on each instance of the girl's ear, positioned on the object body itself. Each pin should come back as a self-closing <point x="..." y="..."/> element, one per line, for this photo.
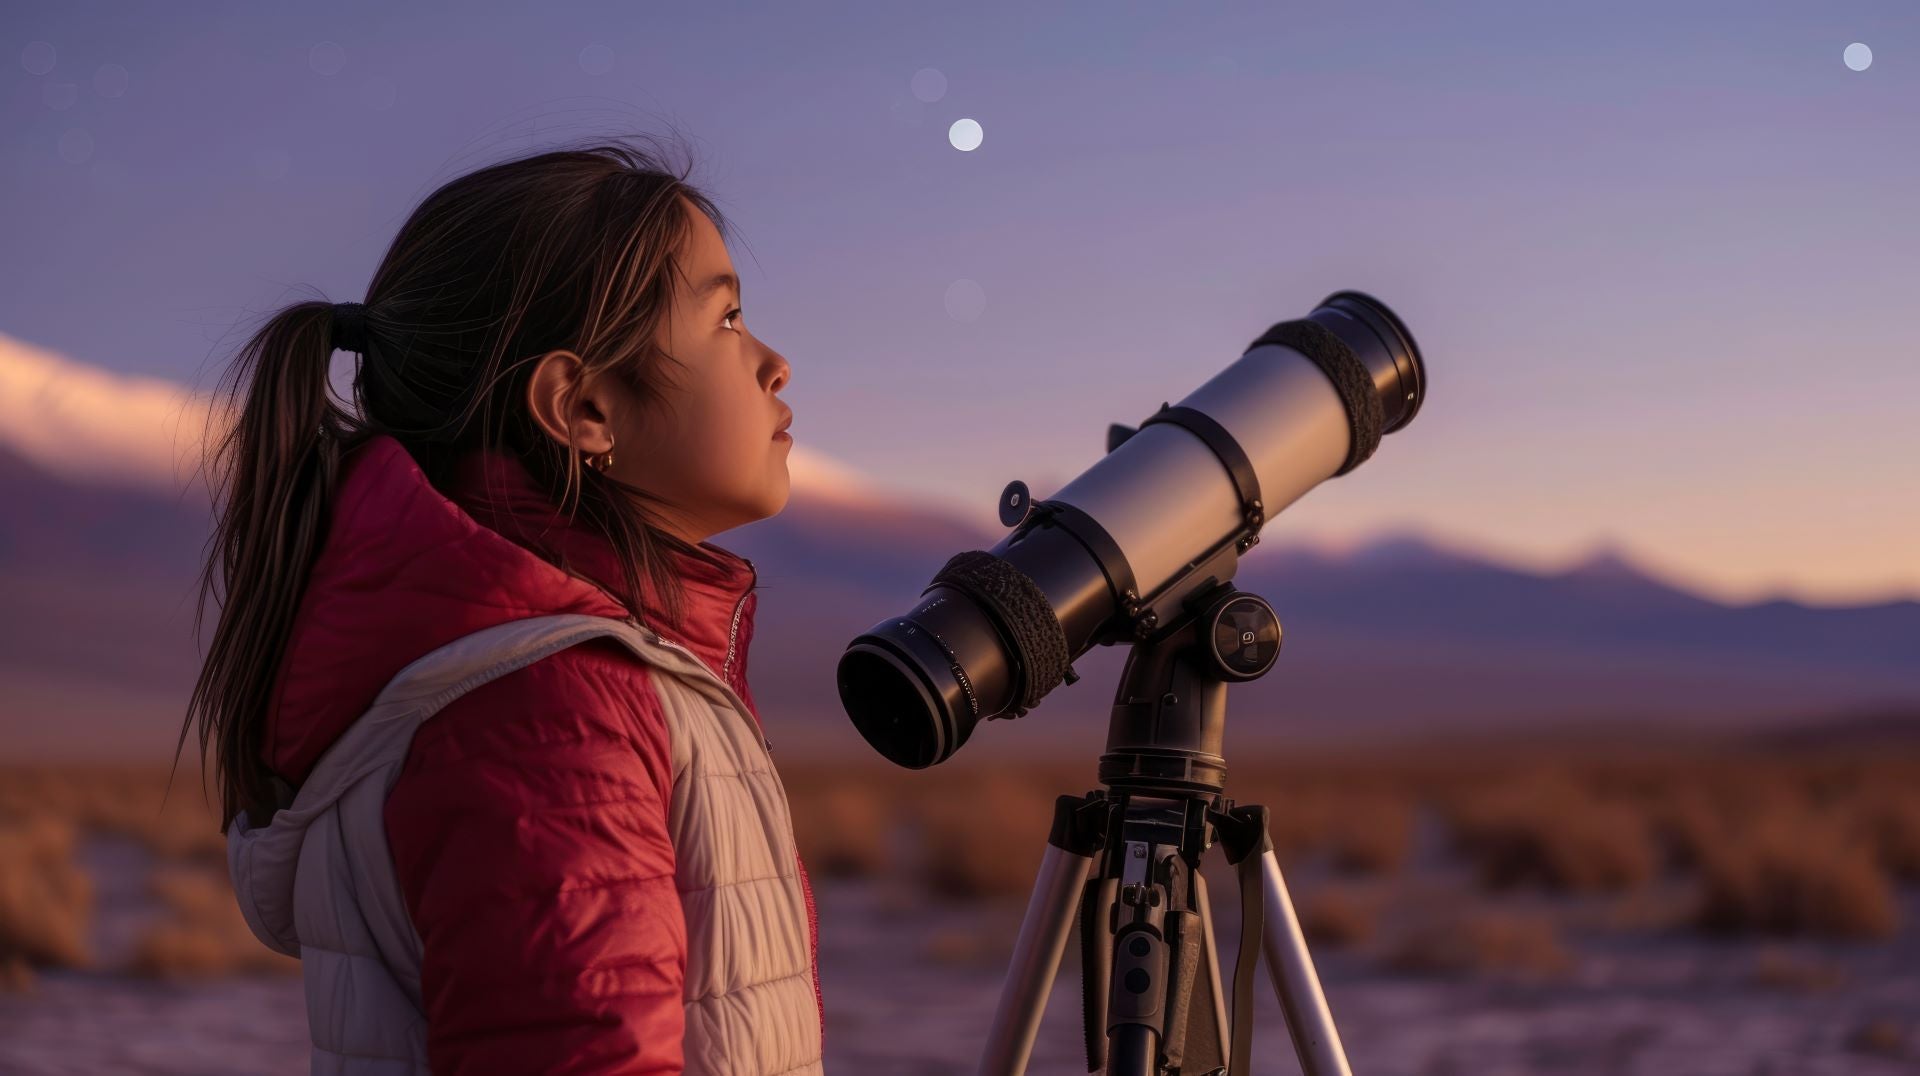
<point x="571" y="413"/>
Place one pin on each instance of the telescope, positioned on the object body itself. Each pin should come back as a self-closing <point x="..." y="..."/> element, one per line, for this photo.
<point x="1112" y="557"/>
<point x="1140" y="549"/>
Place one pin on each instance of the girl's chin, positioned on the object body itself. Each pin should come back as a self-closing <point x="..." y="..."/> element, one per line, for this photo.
<point x="774" y="505"/>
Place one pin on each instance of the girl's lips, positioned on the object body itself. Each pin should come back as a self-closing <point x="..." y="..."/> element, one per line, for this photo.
<point x="782" y="435"/>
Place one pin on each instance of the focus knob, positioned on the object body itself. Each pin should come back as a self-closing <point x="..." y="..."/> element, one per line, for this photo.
<point x="1244" y="634"/>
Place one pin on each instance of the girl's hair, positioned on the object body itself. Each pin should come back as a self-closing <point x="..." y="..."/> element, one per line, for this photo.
<point x="572" y="249"/>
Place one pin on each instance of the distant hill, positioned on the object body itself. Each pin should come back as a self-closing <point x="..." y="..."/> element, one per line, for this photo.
<point x="1397" y="636"/>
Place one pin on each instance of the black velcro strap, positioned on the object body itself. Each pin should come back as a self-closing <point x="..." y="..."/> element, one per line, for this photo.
<point x="1253" y="914"/>
<point x="1349" y="376"/>
<point x="1022" y="612"/>
<point x="1096" y="970"/>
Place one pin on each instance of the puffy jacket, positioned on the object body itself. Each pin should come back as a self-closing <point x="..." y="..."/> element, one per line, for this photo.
<point x="532" y="825"/>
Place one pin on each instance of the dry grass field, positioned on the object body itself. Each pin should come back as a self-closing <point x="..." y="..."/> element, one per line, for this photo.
<point x="1726" y="841"/>
<point x="1768" y="843"/>
<point x="1724" y="881"/>
<point x="46" y="898"/>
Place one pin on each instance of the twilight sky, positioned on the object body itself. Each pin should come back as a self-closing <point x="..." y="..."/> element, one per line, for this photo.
<point x="1661" y="259"/>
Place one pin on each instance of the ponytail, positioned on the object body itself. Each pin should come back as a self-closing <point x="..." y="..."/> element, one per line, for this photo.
<point x="277" y="464"/>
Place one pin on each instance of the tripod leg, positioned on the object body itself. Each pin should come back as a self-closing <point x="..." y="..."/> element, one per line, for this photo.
<point x="1036" y="960"/>
<point x="1315" y="1039"/>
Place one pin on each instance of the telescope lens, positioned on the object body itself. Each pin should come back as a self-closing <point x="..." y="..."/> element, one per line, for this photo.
<point x="1382" y="343"/>
<point x="903" y="684"/>
<point x="891" y="708"/>
<point x="916" y="685"/>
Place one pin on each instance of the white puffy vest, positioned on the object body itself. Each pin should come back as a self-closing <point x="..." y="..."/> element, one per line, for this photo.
<point x="318" y="881"/>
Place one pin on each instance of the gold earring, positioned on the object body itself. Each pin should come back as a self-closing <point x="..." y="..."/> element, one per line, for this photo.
<point x="602" y="461"/>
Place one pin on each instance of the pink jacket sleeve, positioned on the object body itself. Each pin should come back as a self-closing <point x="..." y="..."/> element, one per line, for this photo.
<point x="529" y="830"/>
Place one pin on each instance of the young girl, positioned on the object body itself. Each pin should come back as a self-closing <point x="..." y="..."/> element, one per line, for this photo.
<point x="478" y="692"/>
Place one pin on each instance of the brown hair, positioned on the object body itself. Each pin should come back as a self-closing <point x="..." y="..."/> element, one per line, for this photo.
<point x="573" y="249"/>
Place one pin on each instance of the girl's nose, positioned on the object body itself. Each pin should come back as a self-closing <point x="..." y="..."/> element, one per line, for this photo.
<point x="782" y="370"/>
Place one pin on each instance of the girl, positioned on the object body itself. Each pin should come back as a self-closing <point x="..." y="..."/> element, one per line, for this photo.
<point x="478" y="692"/>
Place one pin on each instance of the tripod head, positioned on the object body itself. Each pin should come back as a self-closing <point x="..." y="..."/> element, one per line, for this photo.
<point x="1170" y="711"/>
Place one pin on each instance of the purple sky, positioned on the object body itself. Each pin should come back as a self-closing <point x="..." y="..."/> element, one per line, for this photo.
<point x="1661" y="262"/>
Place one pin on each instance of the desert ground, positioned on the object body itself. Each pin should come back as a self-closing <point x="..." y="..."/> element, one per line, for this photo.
<point x="1711" y="908"/>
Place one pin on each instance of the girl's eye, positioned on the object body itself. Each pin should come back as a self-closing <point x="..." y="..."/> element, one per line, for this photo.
<point x="732" y="314"/>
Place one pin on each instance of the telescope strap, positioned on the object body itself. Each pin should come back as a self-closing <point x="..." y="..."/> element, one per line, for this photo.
<point x="1243" y="832"/>
<point x="1021" y="611"/>
<point x="1253" y="914"/>
<point x="1365" y="416"/>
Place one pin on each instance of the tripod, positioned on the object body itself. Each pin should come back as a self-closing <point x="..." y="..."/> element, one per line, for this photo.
<point x="1126" y="859"/>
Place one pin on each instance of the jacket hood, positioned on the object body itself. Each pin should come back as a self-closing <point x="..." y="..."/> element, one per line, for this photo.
<point x="405" y="568"/>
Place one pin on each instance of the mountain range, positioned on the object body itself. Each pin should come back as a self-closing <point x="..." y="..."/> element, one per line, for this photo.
<point x="1399" y="637"/>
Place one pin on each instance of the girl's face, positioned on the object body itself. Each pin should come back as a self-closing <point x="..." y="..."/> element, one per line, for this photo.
<point x="710" y="446"/>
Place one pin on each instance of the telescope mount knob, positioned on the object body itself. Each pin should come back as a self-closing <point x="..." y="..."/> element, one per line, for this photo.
<point x="1015" y="504"/>
<point x="1243" y="636"/>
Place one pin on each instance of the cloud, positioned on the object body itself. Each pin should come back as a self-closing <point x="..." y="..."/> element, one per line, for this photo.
<point x="92" y="425"/>
<point x="819" y="475"/>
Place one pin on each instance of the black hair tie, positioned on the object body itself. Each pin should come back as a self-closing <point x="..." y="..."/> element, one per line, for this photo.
<point x="349" y="327"/>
